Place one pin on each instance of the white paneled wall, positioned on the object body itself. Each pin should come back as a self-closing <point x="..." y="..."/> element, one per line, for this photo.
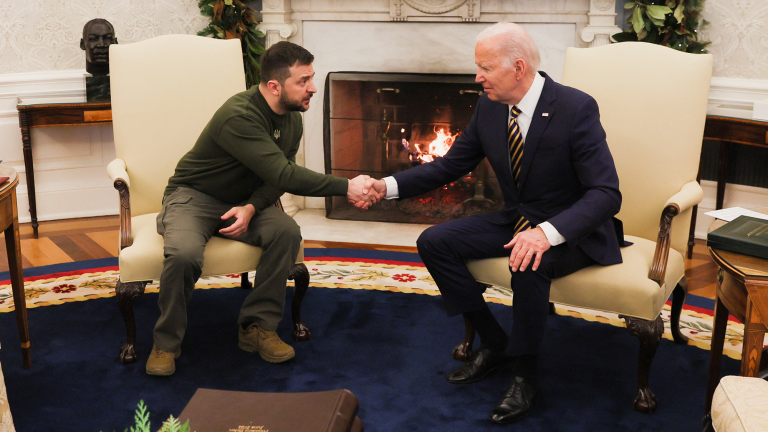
<point x="70" y="173"/>
<point x="40" y="57"/>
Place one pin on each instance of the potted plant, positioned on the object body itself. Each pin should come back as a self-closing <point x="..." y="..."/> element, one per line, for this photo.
<point x="233" y="19"/>
<point x="672" y="23"/>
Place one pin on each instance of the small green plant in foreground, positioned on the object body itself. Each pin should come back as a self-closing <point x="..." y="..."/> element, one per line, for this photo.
<point x="141" y="417"/>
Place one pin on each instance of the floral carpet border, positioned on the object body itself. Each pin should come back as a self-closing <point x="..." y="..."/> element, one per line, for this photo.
<point x="350" y="273"/>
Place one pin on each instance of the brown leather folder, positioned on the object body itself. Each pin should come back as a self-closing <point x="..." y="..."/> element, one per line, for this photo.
<point x="234" y="411"/>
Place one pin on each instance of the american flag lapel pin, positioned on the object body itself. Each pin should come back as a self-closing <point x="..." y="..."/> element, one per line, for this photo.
<point x="545" y="114"/>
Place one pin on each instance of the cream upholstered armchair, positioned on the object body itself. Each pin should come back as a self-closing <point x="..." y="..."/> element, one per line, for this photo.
<point x="653" y="104"/>
<point x="164" y="92"/>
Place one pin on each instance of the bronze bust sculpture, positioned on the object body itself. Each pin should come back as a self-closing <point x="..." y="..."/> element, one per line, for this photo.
<point x="98" y="35"/>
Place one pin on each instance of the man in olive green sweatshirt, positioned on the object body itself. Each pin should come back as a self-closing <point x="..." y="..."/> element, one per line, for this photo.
<point x="243" y="161"/>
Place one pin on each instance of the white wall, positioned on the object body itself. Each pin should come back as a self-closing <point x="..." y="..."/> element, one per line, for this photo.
<point x="40" y="55"/>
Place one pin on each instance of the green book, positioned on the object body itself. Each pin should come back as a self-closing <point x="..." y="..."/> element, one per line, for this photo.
<point x="745" y="235"/>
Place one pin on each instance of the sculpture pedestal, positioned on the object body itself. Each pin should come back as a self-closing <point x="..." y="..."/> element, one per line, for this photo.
<point x="97" y="88"/>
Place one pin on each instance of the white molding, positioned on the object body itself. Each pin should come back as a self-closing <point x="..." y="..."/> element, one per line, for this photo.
<point x="67" y="84"/>
<point x="738" y="89"/>
<point x="92" y="202"/>
<point x="48" y="77"/>
<point x="70" y="163"/>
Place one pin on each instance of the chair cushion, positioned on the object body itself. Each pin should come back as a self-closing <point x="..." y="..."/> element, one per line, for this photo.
<point x="740" y="404"/>
<point x="622" y="288"/>
<point x="143" y="261"/>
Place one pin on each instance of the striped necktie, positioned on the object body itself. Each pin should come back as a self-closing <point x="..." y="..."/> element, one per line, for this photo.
<point x="515" y="138"/>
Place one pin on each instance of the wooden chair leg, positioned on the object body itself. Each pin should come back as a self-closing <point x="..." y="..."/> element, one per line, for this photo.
<point x="692" y="233"/>
<point x="300" y="275"/>
<point x="463" y="351"/>
<point x="678" y="300"/>
<point x="649" y="333"/>
<point x="125" y="293"/>
<point x="245" y="283"/>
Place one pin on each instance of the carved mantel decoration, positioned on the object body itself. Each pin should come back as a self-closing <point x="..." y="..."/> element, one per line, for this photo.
<point x="464" y="10"/>
<point x="602" y="23"/>
<point x="276" y="22"/>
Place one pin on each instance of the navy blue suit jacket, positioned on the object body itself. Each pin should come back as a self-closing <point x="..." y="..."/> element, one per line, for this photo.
<point x="567" y="176"/>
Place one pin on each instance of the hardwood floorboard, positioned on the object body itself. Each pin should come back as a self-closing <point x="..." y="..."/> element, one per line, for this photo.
<point x="330" y="244"/>
<point x="71" y="231"/>
<point x="72" y="249"/>
<point x="42" y="252"/>
<point x="109" y="240"/>
<point x="90" y="246"/>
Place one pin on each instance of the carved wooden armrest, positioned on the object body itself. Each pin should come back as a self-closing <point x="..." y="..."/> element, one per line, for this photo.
<point x="690" y="194"/>
<point x="117" y="172"/>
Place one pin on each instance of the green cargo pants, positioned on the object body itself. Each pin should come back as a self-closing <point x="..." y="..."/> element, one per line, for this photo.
<point x="187" y="221"/>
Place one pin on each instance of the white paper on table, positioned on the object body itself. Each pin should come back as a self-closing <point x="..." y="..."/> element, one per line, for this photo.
<point x="732" y="213"/>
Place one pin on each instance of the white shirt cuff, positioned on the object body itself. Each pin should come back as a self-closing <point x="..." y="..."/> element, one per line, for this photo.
<point x="392" y="192"/>
<point x="554" y="237"/>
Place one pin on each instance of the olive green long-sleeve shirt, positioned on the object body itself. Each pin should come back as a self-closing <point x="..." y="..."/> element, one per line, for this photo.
<point x="247" y="155"/>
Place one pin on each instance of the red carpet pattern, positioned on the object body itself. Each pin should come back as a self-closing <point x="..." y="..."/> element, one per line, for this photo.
<point x="348" y="273"/>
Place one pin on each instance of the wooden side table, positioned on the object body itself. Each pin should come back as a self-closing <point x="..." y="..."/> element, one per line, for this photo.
<point x="730" y="127"/>
<point x="9" y="223"/>
<point x="742" y="290"/>
<point x="32" y="115"/>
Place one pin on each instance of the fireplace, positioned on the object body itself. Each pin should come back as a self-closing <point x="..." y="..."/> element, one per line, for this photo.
<point x="383" y="123"/>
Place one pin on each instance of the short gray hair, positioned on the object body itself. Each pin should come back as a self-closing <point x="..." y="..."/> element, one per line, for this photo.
<point x="516" y="44"/>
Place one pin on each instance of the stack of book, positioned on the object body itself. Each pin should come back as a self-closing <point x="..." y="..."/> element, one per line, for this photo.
<point x="746" y="235"/>
<point x="234" y="411"/>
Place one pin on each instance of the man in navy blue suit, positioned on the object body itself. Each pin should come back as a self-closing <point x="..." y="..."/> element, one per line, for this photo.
<point x="561" y="191"/>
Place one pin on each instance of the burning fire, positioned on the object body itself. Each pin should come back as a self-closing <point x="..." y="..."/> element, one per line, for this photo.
<point x="437" y="148"/>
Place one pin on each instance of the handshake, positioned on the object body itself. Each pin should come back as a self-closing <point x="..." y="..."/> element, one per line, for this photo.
<point x="364" y="191"/>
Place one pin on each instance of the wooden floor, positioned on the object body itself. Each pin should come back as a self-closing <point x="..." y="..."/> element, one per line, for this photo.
<point x="90" y="238"/>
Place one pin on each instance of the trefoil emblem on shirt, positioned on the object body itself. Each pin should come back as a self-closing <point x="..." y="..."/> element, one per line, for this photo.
<point x="276" y="134"/>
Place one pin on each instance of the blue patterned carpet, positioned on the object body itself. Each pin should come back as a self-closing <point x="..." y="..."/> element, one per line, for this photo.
<point x="390" y="349"/>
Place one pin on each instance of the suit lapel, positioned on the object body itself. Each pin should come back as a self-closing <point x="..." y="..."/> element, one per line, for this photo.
<point x="538" y="126"/>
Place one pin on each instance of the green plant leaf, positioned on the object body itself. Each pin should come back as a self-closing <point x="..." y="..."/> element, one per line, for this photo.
<point x="228" y="2"/>
<point x="642" y="35"/>
<point x="141" y="417"/>
<point x="629" y="5"/>
<point x="679" y="12"/>
<point x="219" y="31"/>
<point x="658" y="12"/>
<point x="637" y="20"/>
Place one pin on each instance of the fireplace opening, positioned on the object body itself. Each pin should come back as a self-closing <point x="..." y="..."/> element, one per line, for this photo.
<point x="383" y="123"/>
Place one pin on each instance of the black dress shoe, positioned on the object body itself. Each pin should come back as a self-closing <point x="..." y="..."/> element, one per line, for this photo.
<point x="517" y="401"/>
<point x="482" y="363"/>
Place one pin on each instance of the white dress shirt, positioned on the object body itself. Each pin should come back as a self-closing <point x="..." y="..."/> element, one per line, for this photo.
<point x="527" y="107"/>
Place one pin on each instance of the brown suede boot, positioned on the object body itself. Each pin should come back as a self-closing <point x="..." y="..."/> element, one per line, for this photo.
<point x="266" y="343"/>
<point x="162" y="363"/>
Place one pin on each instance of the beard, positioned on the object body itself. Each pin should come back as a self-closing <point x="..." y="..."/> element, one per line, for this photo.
<point x="291" y="104"/>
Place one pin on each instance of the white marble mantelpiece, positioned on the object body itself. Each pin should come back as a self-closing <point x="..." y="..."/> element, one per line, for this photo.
<point x="424" y="36"/>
